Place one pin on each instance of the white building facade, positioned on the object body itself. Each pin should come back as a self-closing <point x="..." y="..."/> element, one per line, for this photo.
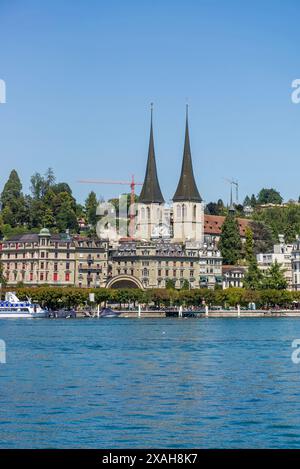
<point x="282" y="254"/>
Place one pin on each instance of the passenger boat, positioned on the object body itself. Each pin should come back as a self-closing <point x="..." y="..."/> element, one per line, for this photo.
<point x="13" y="308"/>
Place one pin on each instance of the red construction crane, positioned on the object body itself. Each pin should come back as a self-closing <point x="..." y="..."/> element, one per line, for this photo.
<point x="132" y="185"/>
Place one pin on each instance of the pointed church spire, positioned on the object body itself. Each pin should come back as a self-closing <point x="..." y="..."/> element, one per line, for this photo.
<point x="187" y="188"/>
<point x="151" y="192"/>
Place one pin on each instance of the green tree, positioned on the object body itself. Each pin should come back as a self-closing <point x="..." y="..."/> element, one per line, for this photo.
<point x="247" y="201"/>
<point x="239" y="210"/>
<point x="1" y="227"/>
<point x="8" y="216"/>
<point x="290" y="233"/>
<point x="262" y="236"/>
<point x="91" y="204"/>
<point x="185" y="285"/>
<point x="38" y="186"/>
<point x="49" y="178"/>
<point x="215" y="208"/>
<point x="269" y="196"/>
<point x="66" y="213"/>
<point x="274" y="278"/>
<point x="230" y="243"/>
<point x="212" y="208"/>
<point x="253" y="276"/>
<point x="12" y="200"/>
<point x="48" y="220"/>
<point x="285" y="219"/>
<point x="12" y="189"/>
<point x="37" y="212"/>
<point x="249" y="245"/>
<point x="2" y="277"/>
<point x="170" y="284"/>
<point x="61" y="187"/>
<point x="253" y="201"/>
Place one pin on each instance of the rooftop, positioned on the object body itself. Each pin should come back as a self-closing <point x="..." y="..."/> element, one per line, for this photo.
<point x="213" y="225"/>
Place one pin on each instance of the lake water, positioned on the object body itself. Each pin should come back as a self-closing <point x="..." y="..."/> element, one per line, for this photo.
<point x="207" y="383"/>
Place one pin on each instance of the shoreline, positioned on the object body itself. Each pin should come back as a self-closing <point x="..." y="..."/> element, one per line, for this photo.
<point x="200" y="315"/>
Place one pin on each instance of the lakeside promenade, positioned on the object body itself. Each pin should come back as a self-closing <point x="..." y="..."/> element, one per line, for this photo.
<point x="232" y="313"/>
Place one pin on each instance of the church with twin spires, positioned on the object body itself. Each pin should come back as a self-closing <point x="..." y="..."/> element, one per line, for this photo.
<point x="184" y="220"/>
<point x="168" y="244"/>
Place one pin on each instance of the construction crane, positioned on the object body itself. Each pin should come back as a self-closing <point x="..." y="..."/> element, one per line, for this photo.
<point x="132" y="185"/>
<point x="234" y="182"/>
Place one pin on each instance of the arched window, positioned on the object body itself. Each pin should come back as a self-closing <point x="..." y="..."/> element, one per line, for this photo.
<point x="148" y="213"/>
<point x="178" y="212"/>
<point x="183" y="211"/>
<point x="194" y="212"/>
<point x="142" y="213"/>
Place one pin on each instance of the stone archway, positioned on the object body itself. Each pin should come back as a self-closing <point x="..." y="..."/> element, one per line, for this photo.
<point x="124" y="281"/>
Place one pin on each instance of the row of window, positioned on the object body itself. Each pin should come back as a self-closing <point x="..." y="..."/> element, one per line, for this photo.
<point x="125" y="271"/>
<point x="42" y="266"/>
<point x="32" y="255"/>
<point x="43" y="254"/>
<point x="43" y="276"/>
<point x="181" y="212"/>
<point x="175" y="272"/>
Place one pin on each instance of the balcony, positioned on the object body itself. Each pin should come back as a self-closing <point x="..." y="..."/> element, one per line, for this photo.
<point x="85" y="267"/>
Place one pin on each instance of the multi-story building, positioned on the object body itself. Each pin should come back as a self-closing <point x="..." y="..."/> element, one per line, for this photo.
<point x="35" y="259"/>
<point x="295" y="261"/>
<point x="62" y="260"/>
<point x="151" y="264"/>
<point x="233" y="276"/>
<point x="91" y="262"/>
<point x="282" y="255"/>
<point x="54" y="259"/>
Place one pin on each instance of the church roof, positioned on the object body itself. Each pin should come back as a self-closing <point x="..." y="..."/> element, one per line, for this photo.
<point x="151" y="192"/>
<point x="187" y="189"/>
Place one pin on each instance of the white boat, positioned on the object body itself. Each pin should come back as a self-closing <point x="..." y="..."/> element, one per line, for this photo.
<point x="12" y="307"/>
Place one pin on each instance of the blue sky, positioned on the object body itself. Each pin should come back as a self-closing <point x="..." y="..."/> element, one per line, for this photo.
<point x="80" y="77"/>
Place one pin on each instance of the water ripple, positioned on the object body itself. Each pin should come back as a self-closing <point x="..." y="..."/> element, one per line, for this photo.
<point x="222" y="383"/>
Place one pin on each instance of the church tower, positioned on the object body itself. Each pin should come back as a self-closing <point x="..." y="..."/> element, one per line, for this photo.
<point x="188" y="210"/>
<point x="151" y="202"/>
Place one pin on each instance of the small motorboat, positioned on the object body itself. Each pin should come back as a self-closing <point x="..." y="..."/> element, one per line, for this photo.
<point x="62" y="313"/>
<point x="109" y="313"/>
